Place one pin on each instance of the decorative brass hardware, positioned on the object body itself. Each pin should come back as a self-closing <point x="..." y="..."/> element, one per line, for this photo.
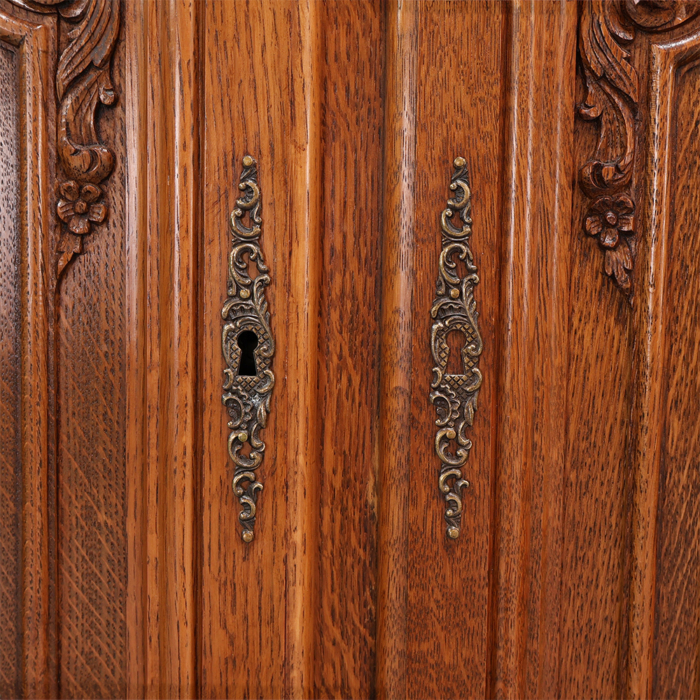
<point x="454" y="310"/>
<point x="248" y="347"/>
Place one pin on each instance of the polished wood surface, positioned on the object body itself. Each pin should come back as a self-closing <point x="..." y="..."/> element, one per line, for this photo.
<point x="123" y="571"/>
<point x="10" y="390"/>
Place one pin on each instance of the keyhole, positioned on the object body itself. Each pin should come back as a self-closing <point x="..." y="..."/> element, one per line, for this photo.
<point x="247" y="342"/>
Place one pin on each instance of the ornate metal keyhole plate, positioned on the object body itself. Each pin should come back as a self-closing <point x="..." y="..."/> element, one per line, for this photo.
<point x="454" y="310"/>
<point x="248" y="347"/>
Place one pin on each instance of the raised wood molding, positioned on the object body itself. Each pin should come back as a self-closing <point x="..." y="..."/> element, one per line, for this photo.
<point x="163" y="221"/>
<point x="397" y="310"/>
<point x="606" y="30"/>
<point x="649" y="419"/>
<point x="33" y="38"/>
<point x="533" y="341"/>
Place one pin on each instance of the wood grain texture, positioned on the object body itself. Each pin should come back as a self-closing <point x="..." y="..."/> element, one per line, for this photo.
<point x="396" y="333"/>
<point x="258" y="599"/>
<point x="348" y="348"/>
<point x="676" y="672"/>
<point x="575" y="571"/>
<point x="10" y="390"/>
<point x="91" y="471"/>
<point x="447" y="600"/>
<point x="163" y="227"/>
<point x="533" y="349"/>
<point x="649" y="416"/>
<point x="31" y="36"/>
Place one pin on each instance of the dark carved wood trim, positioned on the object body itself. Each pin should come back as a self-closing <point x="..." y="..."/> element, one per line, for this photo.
<point x="612" y="98"/>
<point x="83" y="79"/>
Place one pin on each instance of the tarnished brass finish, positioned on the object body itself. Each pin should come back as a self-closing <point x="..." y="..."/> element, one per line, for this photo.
<point x="249" y="379"/>
<point x="454" y="310"/>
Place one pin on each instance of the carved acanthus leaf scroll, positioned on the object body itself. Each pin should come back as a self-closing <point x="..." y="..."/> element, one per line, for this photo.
<point x="83" y="81"/>
<point x="606" y="27"/>
<point x="248" y="347"/>
<point x="454" y="311"/>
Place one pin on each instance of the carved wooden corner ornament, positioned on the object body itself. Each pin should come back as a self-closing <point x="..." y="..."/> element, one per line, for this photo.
<point x="82" y="81"/>
<point x="612" y="98"/>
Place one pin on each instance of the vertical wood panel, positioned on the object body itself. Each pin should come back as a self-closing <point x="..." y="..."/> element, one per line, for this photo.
<point x="348" y="347"/>
<point x="10" y="359"/>
<point x="32" y="37"/>
<point x="458" y="114"/>
<point x="600" y="386"/>
<point x="677" y="623"/>
<point x="396" y="338"/>
<point x="258" y="600"/>
<point x="164" y="225"/>
<point x="532" y="396"/>
<point x="650" y="318"/>
<point x="91" y="473"/>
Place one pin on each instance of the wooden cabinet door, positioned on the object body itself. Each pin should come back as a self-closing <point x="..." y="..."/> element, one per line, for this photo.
<point x="348" y="348"/>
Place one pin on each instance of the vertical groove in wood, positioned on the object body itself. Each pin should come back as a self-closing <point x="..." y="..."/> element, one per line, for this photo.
<point x="397" y="309"/>
<point x="649" y="419"/>
<point x="162" y="244"/>
<point x="136" y="223"/>
<point x="535" y="285"/>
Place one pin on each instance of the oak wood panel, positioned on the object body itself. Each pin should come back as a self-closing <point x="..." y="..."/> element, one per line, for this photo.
<point x="10" y="354"/>
<point x="164" y="225"/>
<point x="401" y="36"/>
<point x="600" y="383"/>
<point x="650" y="319"/>
<point x="91" y="472"/>
<point x="348" y="349"/>
<point x="32" y="35"/>
<point x="533" y="351"/>
<point x="458" y="112"/>
<point x="677" y="616"/>
<point x="258" y="599"/>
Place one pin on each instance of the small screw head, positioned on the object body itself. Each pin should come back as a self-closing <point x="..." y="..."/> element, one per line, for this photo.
<point x="453" y="532"/>
<point x="454" y="293"/>
<point x="450" y="434"/>
<point x="245" y="293"/>
<point x="460" y="162"/>
<point x="242" y="436"/>
<point x="247" y="535"/>
<point x="247" y="161"/>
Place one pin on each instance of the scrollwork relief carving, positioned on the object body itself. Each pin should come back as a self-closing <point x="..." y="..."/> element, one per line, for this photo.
<point x="454" y="311"/>
<point x="83" y="81"/>
<point x="248" y="347"/>
<point x="606" y="28"/>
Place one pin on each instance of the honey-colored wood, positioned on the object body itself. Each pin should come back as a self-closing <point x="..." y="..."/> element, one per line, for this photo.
<point x="164" y="221"/>
<point x="530" y="462"/>
<point x="349" y="357"/>
<point x="676" y="672"/>
<point x="395" y="378"/>
<point x="124" y="573"/>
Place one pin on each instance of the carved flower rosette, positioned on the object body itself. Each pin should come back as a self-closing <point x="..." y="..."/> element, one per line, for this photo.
<point x="83" y="81"/>
<point x="606" y="29"/>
